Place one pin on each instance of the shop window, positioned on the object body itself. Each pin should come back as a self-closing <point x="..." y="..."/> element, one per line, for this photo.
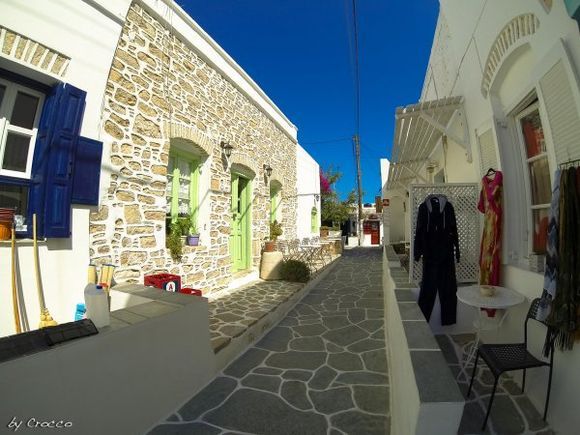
<point x="182" y="187"/>
<point x="538" y="174"/>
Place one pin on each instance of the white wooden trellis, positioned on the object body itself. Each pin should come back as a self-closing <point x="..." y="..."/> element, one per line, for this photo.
<point x="464" y="197"/>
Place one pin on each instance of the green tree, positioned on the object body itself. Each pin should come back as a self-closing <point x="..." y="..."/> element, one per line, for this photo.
<point x="334" y="212"/>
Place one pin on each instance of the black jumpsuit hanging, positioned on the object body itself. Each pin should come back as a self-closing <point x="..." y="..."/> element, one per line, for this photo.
<point x="437" y="241"/>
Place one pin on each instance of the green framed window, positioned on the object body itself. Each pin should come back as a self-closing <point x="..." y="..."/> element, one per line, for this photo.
<point x="182" y="186"/>
<point x="314" y="220"/>
<point x="274" y="204"/>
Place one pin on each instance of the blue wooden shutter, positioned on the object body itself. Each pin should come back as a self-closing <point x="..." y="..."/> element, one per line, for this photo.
<point x="87" y="172"/>
<point x="53" y="165"/>
<point x="69" y="116"/>
<point x="40" y="159"/>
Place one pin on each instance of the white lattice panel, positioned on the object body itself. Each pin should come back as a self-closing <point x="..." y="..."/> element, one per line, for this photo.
<point x="464" y="198"/>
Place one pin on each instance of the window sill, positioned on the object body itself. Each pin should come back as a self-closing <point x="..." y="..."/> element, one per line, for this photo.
<point x="22" y="242"/>
<point x="189" y="248"/>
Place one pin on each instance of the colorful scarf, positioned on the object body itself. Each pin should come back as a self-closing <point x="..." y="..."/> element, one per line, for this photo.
<point x="563" y="317"/>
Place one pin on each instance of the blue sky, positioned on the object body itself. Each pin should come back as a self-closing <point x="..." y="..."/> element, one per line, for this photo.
<point x="299" y="53"/>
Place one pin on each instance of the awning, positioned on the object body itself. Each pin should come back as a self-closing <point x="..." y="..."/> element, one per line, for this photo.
<point x="418" y="131"/>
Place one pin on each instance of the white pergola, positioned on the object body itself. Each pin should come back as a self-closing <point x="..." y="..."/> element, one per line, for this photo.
<point x="419" y="129"/>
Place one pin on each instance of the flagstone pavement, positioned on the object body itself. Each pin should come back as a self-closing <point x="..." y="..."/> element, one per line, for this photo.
<point x="321" y="370"/>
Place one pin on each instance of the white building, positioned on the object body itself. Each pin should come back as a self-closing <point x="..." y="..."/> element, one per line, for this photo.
<point x="385" y="164"/>
<point x="90" y="75"/>
<point x="53" y="43"/>
<point x="308" y="191"/>
<point x="498" y="72"/>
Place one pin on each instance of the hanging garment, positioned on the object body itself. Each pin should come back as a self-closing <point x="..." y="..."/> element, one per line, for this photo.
<point x="565" y="306"/>
<point x="437" y="241"/>
<point x="490" y="203"/>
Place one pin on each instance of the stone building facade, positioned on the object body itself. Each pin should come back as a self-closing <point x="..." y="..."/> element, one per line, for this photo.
<point x="162" y="93"/>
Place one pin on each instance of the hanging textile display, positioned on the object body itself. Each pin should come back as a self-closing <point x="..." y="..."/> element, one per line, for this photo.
<point x="564" y="314"/>
<point x="436" y="239"/>
<point x="490" y="203"/>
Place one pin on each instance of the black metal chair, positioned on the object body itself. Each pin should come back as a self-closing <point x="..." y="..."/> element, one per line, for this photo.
<point x="502" y="358"/>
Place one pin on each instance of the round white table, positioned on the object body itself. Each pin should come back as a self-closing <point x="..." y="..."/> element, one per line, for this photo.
<point x="503" y="299"/>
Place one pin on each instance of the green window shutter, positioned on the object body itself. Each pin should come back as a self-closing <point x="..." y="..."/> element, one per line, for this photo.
<point x="273" y="205"/>
<point x="314" y="220"/>
<point x="174" y="189"/>
<point x="193" y="192"/>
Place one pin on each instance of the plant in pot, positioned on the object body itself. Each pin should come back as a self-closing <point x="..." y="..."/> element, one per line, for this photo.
<point x="324" y="231"/>
<point x="193" y="235"/>
<point x="188" y="229"/>
<point x="275" y="232"/>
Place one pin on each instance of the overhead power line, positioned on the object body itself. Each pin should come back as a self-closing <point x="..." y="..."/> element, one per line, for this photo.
<point x="339" y="139"/>
<point x="356" y="137"/>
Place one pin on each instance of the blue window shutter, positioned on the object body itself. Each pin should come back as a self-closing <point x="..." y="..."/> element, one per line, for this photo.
<point x="60" y="167"/>
<point x="87" y="172"/>
<point x="40" y="159"/>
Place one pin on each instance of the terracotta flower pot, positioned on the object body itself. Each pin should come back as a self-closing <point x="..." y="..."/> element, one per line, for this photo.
<point x="270" y="246"/>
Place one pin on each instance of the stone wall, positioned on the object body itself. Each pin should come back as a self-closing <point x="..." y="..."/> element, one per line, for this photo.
<point x="160" y="89"/>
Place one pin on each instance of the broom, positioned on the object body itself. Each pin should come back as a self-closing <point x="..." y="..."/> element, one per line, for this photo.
<point x="14" y="290"/>
<point x="45" y="317"/>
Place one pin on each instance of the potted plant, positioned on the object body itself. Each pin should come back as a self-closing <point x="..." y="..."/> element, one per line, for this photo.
<point x="324" y="231"/>
<point x="275" y="232"/>
<point x="193" y="235"/>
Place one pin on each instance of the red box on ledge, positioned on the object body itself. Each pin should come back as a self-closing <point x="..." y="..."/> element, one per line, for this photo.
<point x="190" y="291"/>
<point x="164" y="281"/>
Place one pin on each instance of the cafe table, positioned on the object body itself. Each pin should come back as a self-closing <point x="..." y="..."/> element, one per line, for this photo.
<point x="502" y="300"/>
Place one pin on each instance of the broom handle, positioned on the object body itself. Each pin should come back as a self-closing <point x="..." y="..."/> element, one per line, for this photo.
<point x="14" y="290"/>
<point x="37" y="267"/>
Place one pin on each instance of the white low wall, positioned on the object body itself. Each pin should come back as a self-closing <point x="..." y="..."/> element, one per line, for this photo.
<point x="425" y="398"/>
<point x="120" y="381"/>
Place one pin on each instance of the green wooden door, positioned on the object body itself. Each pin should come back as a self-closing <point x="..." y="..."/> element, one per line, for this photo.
<point x="240" y="231"/>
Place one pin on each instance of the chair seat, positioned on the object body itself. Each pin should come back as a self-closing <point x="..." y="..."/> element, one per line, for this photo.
<point x="506" y="357"/>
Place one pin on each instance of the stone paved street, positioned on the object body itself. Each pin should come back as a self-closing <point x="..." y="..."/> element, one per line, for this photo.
<point x="237" y="310"/>
<point x="512" y="411"/>
<point x="321" y="370"/>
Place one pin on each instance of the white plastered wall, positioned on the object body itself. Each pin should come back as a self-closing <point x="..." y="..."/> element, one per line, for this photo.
<point x="62" y="26"/>
<point x="474" y="30"/>
<point x="307" y="186"/>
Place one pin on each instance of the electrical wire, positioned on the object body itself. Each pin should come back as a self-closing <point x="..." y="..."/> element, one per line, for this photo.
<point x="356" y="70"/>
<point x="340" y="139"/>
